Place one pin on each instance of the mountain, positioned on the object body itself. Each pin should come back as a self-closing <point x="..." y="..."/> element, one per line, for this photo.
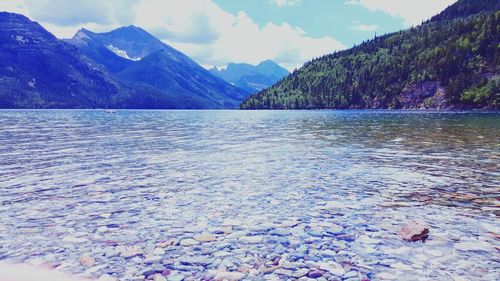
<point x="134" y="55"/>
<point x="450" y="61"/>
<point x="38" y="70"/>
<point x="252" y="78"/>
<point x="125" y="68"/>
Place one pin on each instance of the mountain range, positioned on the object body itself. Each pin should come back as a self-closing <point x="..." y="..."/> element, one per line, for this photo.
<point x="449" y="62"/>
<point x="124" y="68"/>
<point x="252" y="78"/>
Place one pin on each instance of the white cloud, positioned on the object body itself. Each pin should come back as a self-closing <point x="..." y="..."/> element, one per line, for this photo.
<point x="365" y="27"/>
<point x="282" y="3"/>
<point x="199" y="28"/>
<point x="352" y="2"/>
<point x="413" y="12"/>
<point x="242" y="40"/>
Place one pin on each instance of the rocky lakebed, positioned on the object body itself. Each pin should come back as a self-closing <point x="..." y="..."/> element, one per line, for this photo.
<point x="264" y="196"/>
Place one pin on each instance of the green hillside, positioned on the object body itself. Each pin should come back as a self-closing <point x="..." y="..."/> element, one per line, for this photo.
<point x="450" y="61"/>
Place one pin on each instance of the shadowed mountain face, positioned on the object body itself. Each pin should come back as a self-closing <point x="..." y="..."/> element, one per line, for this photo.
<point x="448" y="62"/>
<point x="125" y="68"/>
<point x="136" y="56"/>
<point x="252" y="78"/>
<point x="39" y="71"/>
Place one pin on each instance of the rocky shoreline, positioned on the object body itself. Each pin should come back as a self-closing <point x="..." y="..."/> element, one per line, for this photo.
<point x="323" y="247"/>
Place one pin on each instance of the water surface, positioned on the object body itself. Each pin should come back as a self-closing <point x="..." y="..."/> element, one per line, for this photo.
<point x="148" y="176"/>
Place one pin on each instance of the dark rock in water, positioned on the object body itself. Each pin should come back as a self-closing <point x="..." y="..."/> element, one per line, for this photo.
<point x="151" y="272"/>
<point x="415" y="231"/>
<point x="315" y="273"/>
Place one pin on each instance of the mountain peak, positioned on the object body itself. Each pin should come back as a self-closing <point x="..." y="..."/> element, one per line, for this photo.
<point x="82" y="33"/>
<point x="132" y="30"/>
<point x="268" y="62"/>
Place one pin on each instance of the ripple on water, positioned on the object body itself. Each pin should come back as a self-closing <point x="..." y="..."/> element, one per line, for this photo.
<point x="231" y="193"/>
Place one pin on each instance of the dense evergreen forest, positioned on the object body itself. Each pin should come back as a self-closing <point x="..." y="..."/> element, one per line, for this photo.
<point x="450" y="61"/>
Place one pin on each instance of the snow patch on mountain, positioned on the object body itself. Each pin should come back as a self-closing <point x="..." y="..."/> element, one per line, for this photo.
<point x="122" y="53"/>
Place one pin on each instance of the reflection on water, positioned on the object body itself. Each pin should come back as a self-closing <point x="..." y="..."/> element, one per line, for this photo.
<point x="157" y="173"/>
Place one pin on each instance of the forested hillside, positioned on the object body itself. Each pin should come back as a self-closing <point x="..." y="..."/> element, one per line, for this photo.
<point x="450" y="61"/>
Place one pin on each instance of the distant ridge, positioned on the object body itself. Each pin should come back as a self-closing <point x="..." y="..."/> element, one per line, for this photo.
<point x="252" y="78"/>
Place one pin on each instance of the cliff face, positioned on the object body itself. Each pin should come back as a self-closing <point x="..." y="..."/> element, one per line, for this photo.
<point x="424" y="95"/>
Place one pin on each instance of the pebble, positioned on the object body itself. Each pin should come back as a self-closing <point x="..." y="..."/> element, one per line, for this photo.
<point x="130" y="251"/>
<point x="236" y="235"/>
<point x="205" y="237"/>
<point x="107" y="277"/>
<point x="175" y="277"/>
<point x="251" y="239"/>
<point x="491" y="228"/>
<point x="335" y="229"/>
<point x="167" y="243"/>
<point x="231" y="222"/>
<point x="401" y="266"/>
<point x="350" y="274"/>
<point x="434" y="253"/>
<point x="72" y="239"/>
<point x="386" y="276"/>
<point x="285" y="272"/>
<point x="228" y="276"/>
<point x="315" y="273"/>
<point x="159" y="277"/>
<point x="195" y="260"/>
<point x="188" y="242"/>
<point x="332" y="268"/>
<point x="87" y="260"/>
<point x="102" y="229"/>
<point x="300" y="273"/>
<point x="159" y="251"/>
<point x="473" y="246"/>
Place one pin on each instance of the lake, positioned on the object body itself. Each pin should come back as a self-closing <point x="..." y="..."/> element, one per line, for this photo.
<point x="258" y="195"/>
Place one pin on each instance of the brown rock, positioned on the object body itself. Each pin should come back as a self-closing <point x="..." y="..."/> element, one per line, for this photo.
<point x="415" y="231"/>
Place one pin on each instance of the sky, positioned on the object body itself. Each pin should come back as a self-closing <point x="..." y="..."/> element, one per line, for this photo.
<point x="216" y="32"/>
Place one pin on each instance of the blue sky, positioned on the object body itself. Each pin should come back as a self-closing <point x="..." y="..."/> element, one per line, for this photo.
<point x="349" y="23"/>
<point x="216" y="32"/>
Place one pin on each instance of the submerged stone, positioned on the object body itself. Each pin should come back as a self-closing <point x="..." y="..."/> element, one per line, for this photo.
<point x="415" y="231"/>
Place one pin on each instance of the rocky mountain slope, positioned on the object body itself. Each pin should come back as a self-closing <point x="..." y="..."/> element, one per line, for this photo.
<point x="38" y="70"/>
<point x="125" y="68"/>
<point x="134" y="55"/>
